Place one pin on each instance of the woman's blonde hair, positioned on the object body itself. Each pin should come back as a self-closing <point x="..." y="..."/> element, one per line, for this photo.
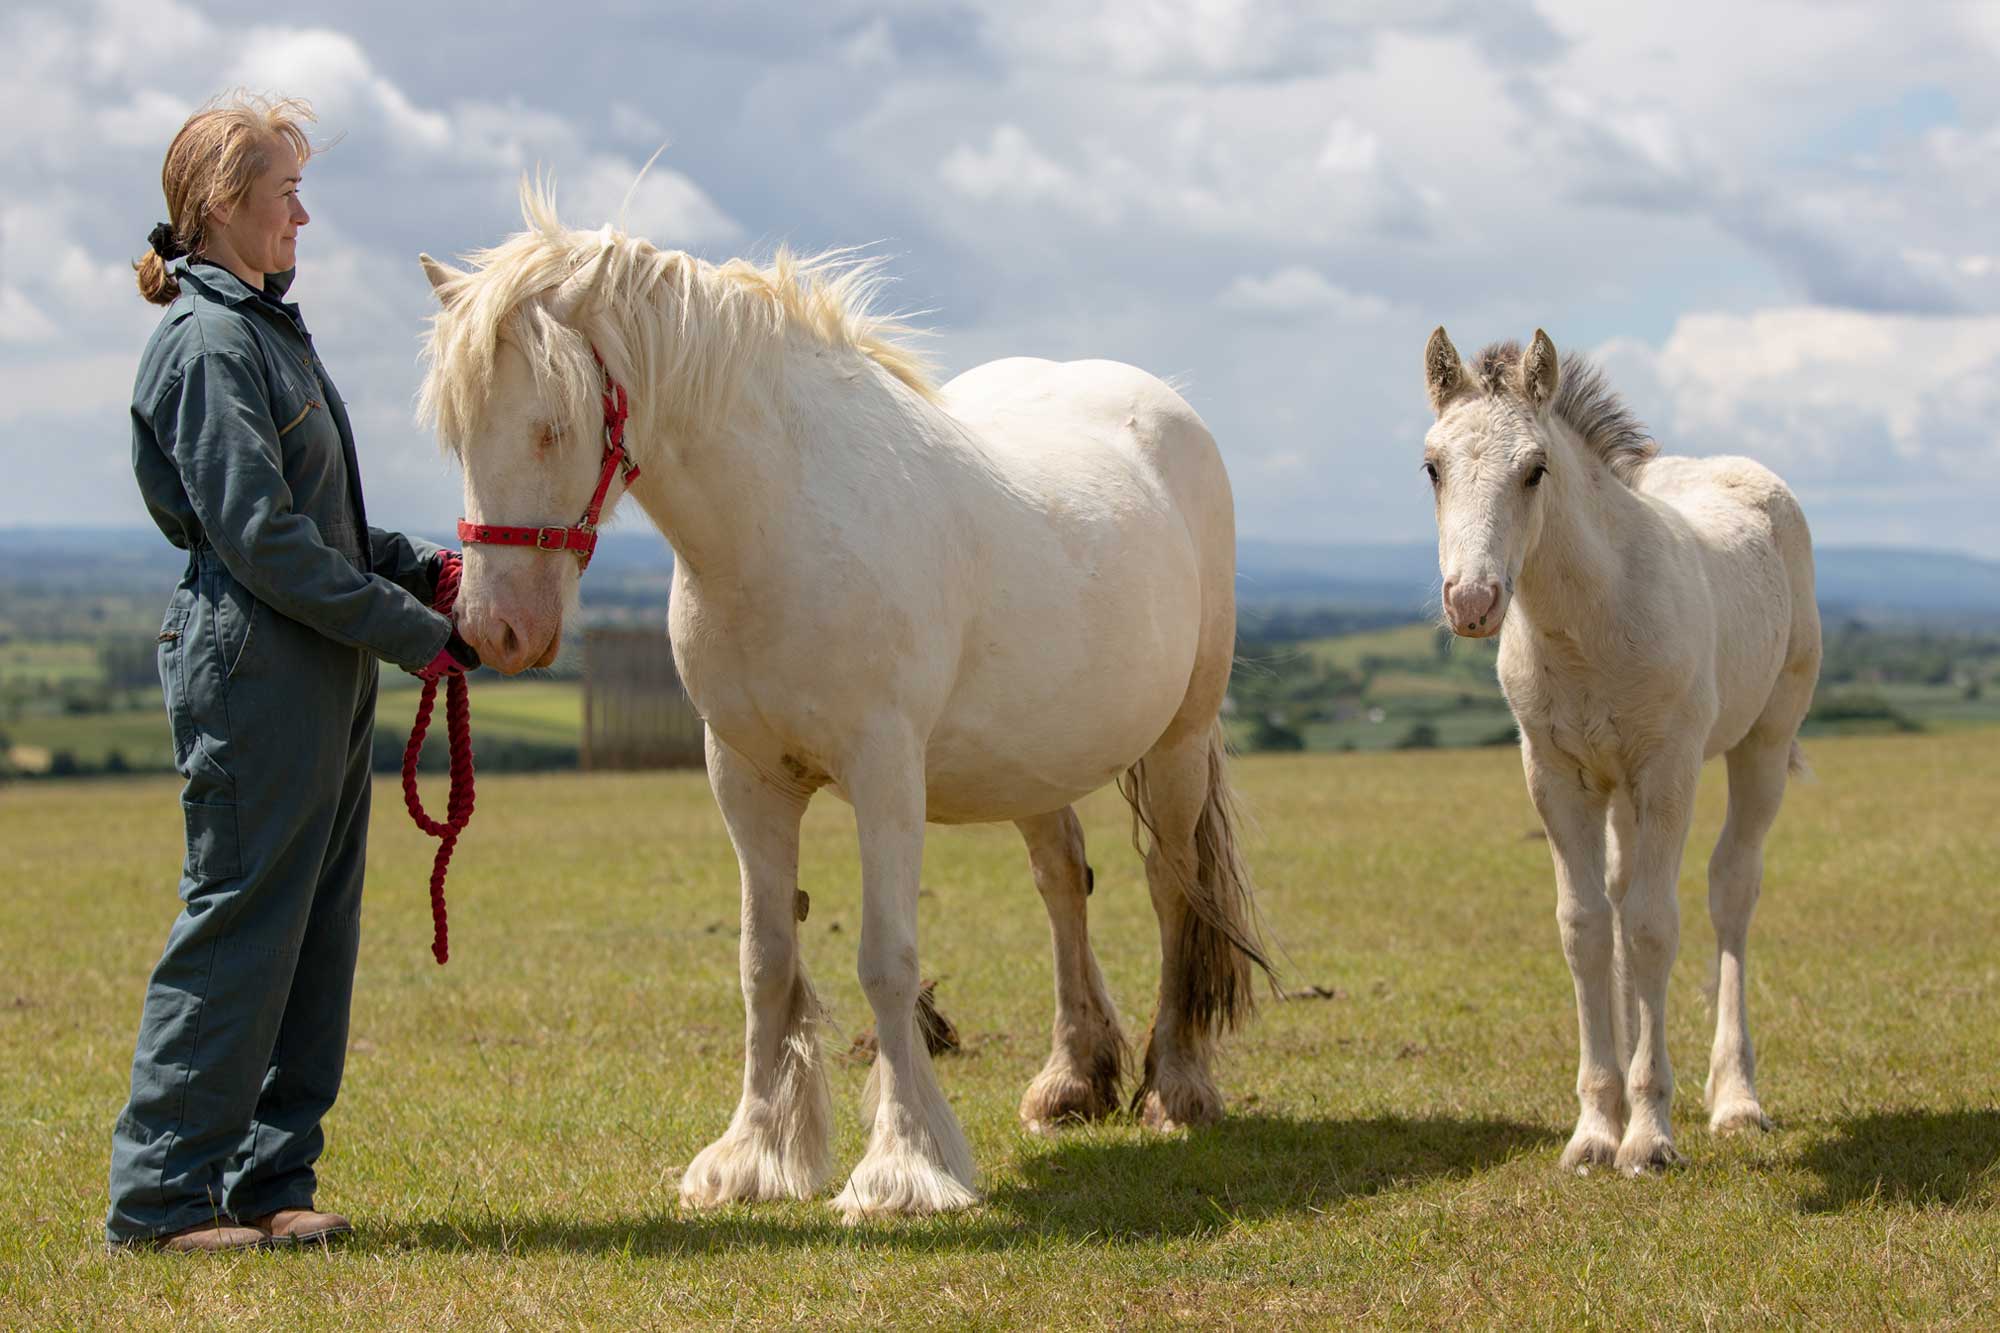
<point x="214" y="160"/>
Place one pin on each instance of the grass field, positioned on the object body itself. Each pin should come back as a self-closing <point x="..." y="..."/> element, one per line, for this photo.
<point x="513" y="1125"/>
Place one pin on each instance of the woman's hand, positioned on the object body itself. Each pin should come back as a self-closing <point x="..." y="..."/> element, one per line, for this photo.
<point x="454" y="659"/>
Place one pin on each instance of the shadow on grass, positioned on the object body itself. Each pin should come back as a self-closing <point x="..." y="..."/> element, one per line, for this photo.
<point x="1924" y="1157"/>
<point x="1246" y="1168"/>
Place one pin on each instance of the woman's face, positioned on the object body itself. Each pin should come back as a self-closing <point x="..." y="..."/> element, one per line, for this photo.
<point x="262" y="229"/>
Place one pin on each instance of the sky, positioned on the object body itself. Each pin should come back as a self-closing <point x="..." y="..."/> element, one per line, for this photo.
<point x="1776" y="224"/>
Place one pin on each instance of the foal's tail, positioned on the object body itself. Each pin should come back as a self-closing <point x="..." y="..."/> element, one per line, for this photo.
<point x="1795" y="763"/>
<point x="1222" y="935"/>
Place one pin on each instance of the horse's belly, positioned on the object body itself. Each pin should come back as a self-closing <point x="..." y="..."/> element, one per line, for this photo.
<point x="1044" y="765"/>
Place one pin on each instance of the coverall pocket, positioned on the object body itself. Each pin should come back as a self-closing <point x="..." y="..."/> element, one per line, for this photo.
<point x="212" y="847"/>
<point x="172" y="644"/>
<point x="235" y="622"/>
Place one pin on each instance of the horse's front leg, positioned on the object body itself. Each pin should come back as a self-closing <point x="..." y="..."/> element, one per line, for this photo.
<point x="917" y="1160"/>
<point x="1574" y="816"/>
<point x="776" y="1145"/>
<point x="1663" y="804"/>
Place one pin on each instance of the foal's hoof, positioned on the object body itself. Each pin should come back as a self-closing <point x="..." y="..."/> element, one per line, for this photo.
<point x="1739" y="1117"/>
<point x="1647" y="1154"/>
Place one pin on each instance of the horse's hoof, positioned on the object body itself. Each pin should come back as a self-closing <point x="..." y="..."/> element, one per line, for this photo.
<point x="1589" y="1147"/>
<point x="739" y="1168"/>
<point x="1179" y="1106"/>
<point x="1059" y="1097"/>
<point x="901" y="1185"/>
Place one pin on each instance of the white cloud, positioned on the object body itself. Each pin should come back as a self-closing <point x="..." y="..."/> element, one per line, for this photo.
<point x="1010" y="166"/>
<point x="21" y="321"/>
<point x="665" y="207"/>
<point x="1298" y="290"/>
<point x="1833" y="394"/>
<point x="1350" y="148"/>
<point x="870" y="48"/>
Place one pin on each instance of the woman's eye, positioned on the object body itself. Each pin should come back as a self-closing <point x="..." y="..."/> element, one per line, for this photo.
<point x="1535" y="476"/>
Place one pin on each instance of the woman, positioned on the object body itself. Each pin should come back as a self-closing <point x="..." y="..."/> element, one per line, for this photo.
<point x="267" y="654"/>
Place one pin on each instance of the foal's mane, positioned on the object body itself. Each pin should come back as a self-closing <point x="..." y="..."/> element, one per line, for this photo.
<point x="1584" y="400"/>
<point x="694" y="332"/>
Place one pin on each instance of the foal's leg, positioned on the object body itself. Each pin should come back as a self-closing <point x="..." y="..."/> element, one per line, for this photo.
<point x="917" y="1160"/>
<point x="776" y="1145"/>
<point x="1663" y="800"/>
<point x="1757" y="773"/>
<point x="1080" y="1080"/>
<point x="1575" y="819"/>
<point x="1621" y="844"/>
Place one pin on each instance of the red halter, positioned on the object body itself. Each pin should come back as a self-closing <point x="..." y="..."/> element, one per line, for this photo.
<point x="582" y="536"/>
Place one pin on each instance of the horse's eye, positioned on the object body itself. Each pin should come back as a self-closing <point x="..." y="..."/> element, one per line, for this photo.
<point x="1430" y="470"/>
<point x="1535" y="476"/>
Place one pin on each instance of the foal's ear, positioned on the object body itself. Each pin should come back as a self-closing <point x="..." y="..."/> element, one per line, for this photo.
<point x="441" y="276"/>
<point x="1445" y="375"/>
<point x="1541" y="371"/>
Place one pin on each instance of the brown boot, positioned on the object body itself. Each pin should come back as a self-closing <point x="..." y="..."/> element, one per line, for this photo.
<point x="210" y="1238"/>
<point x="301" y="1226"/>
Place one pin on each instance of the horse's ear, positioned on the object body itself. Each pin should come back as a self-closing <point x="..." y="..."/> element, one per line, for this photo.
<point x="441" y="276"/>
<point x="574" y="295"/>
<point x="1541" y="371"/>
<point x="1444" y="374"/>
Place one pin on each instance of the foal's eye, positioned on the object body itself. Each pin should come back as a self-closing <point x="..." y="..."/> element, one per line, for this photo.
<point x="1430" y="470"/>
<point x="1535" y="476"/>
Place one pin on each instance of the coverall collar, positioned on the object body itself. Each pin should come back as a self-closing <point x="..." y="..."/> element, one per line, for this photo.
<point x="220" y="284"/>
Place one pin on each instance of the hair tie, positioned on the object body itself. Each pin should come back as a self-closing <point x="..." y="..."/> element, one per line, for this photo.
<point x="164" y="242"/>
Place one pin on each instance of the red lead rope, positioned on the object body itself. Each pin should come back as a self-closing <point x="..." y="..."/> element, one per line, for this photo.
<point x="458" y="807"/>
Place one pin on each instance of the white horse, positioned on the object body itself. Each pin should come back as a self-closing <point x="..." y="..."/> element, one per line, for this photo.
<point x="1661" y="613"/>
<point x="967" y="604"/>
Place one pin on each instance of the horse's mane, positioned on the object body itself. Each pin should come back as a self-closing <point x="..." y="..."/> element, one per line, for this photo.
<point x="658" y="317"/>
<point x="1584" y="400"/>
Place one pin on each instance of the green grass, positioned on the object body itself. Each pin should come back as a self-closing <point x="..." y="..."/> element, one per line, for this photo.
<point x="512" y="1125"/>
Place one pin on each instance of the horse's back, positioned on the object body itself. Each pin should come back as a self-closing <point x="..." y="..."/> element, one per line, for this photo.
<point x="1756" y="554"/>
<point x="1075" y="424"/>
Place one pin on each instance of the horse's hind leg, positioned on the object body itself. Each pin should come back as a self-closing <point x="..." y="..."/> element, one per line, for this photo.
<point x="1757" y="772"/>
<point x="1207" y="931"/>
<point x="1086" y="1060"/>
<point x="776" y="1145"/>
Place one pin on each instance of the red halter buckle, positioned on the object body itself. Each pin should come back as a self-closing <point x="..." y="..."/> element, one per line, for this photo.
<point x="581" y="536"/>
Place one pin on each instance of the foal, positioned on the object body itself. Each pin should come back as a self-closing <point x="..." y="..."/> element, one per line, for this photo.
<point x="1662" y="613"/>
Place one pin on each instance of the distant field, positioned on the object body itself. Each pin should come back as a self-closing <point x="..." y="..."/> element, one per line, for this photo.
<point x="513" y="1125"/>
<point x="1407" y="686"/>
<point x="543" y="710"/>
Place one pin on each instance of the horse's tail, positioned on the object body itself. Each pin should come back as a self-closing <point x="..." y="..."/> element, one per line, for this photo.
<point x="1796" y="763"/>
<point x="1222" y="935"/>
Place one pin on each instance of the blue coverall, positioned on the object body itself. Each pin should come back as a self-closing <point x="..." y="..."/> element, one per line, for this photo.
<point x="267" y="656"/>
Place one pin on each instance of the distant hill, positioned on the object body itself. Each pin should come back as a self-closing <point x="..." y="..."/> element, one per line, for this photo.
<point x="1888" y="585"/>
